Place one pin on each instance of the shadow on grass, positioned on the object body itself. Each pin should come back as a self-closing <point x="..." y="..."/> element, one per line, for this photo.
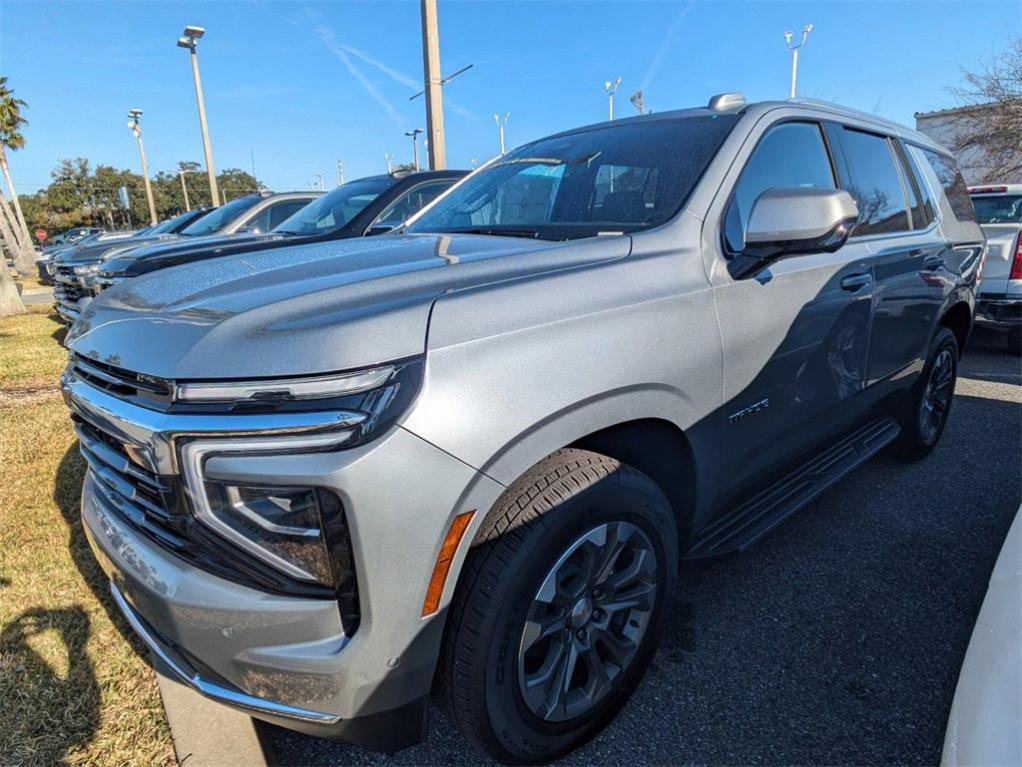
<point x="46" y="711"/>
<point x="67" y="494"/>
<point x="60" y="333"/>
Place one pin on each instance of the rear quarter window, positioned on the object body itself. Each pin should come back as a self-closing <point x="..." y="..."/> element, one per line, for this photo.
<point x="951" y="181"/>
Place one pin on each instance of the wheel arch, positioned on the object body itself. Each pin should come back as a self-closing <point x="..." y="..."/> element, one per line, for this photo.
<point x="958" y="319"/>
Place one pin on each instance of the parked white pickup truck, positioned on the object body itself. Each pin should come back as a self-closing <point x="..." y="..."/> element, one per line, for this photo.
<point x="999" y="303"/>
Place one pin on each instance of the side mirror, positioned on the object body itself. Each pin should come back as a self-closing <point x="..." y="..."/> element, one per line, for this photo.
<point x="789" y="221"/>
<point x="382" y="227"/>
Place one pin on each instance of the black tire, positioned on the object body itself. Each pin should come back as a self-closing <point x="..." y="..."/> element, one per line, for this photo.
<point x="925" y="412"/>
<point x="542" y="528"/>
<point x="1015" y="341"/>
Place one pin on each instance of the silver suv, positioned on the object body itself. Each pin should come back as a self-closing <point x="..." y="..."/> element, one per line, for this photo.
<point x="472" y="454"/>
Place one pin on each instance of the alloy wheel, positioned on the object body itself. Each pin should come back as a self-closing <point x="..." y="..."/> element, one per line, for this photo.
<point x="587" y="621"/>
<point x="937" y="396"/>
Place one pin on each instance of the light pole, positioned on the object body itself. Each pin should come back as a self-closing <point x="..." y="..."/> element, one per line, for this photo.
<point x="184" y="189"/>
<point x="414" y="133"/>
<point x="189" y="41"/>
<point x="611" y="88"/>
<point x="389" y="158"/>
<point x="794" y="54"/>
<point x="433" y="82"/>
<point x="501" y="125"/>
<point x="340" y="173"/>
<point x="320" y="177"/>
<point x="136" y="128"/>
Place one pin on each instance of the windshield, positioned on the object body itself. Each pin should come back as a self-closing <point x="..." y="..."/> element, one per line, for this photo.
<point x="336" y="209"/>
<point x="998" y="209"/>
<point x="620" y="178"/>
<point x="213" y="222"/>
<point x="171" y="223"/>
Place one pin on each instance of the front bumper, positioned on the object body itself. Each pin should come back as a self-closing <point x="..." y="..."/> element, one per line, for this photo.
<point x="1003" y="311"/>
<point x="283" y="658"/>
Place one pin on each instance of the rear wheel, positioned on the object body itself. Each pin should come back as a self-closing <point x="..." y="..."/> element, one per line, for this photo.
<point x="559" y="607"/>
<point x="926" y="410"/>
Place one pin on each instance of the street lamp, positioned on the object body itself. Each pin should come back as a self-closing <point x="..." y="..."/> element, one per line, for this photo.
<point x="414" y="133"/>
<point x="189" y="40"/>
<point x="794" y="53"/>
<point x="184" y="189"/>
<point x="611" y="88"/>
<point x="501" y="125"/>
<point x="136" y="128"/>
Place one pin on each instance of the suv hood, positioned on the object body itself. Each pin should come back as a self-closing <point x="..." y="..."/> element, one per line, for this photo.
<point x="307" y="309"/>
<point x="161" y="255"/>
<point x="94" y="251"/>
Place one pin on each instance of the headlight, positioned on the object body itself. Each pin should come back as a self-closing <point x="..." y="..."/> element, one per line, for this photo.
<point x="86" y="270"/>
<point x="319" y="387"/>
<point x="380" y="394"/>
<point x="293" y="528"/>
<point x="284" y="526"/>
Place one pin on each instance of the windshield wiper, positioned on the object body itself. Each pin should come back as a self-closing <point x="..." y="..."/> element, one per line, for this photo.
<point x="531" y="234"/>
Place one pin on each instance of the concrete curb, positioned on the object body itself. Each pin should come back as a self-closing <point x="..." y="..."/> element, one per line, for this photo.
<point x="206" y="734"/>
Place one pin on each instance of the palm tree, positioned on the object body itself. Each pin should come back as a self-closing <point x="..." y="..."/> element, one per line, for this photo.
<point x="10" y="299"/>
<point x="11" y="138"/>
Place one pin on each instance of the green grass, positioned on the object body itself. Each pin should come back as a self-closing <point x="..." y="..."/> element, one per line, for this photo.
<point x="75" y="687"/>
<point x="29" y="281"/>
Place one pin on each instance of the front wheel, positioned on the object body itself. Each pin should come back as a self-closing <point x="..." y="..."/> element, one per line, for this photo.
<point x="559" y="607"/>
<point x="926" y="410"/>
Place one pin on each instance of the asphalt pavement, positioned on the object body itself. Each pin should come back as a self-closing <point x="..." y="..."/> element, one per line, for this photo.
<point x="837" y="640"/>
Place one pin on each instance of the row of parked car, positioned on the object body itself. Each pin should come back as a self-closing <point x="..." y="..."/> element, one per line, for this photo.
<point x="326" y="477"/>
<point x="252" y="223"/>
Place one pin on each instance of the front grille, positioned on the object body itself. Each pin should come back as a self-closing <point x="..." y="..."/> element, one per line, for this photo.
<point x="143" y="498"/>
<point x="156" y="506"/>
<point x="123" y="383"/>
<point x="64" y="291"/>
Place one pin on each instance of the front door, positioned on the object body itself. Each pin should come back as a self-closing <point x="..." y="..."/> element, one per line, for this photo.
<point x="795" y="336"/>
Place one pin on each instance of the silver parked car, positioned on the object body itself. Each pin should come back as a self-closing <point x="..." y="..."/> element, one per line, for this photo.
<point x="474" y="451"/>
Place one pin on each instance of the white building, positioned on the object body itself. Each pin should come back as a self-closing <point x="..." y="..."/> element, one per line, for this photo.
<point x="944" y="127"/>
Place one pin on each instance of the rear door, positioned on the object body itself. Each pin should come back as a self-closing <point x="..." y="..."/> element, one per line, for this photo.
<point x="908" y="250"/>
<point x="796" y="335"/>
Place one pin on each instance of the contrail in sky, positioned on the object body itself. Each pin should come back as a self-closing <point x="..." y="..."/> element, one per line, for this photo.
<point x="341" y="51"/>
<point x="665" y="46"/>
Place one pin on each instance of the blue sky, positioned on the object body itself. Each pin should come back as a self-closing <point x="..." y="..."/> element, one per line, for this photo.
<point x="302" y="84"/>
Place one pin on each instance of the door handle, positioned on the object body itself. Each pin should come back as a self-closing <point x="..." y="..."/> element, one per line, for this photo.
<point x="855" y="281"/>
<point x="933" y="263"/>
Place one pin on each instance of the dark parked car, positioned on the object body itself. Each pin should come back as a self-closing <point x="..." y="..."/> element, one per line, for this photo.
<point x="371" y="205"/>
<point x="250" y="213"/>
<point x="72" y="268"/>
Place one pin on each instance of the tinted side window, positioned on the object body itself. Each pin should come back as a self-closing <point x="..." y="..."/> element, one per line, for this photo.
<point x="790" y="154"/>
<point x="953" y="184"/>
<point x="875" y="183"/>
<point x="280" y="213"/>
<point x="412" y="202"/>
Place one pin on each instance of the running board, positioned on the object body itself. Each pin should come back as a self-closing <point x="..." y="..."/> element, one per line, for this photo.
<point x="753" y="519"/>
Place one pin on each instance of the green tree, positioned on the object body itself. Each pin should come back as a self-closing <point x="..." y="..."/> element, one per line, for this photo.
<point x="11" y="138"/>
